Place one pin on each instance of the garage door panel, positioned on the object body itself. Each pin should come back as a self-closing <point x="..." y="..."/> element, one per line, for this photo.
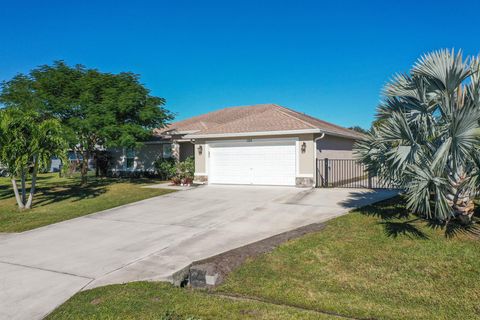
<point x="253" y="164"/>
<point x="227" y="167"/>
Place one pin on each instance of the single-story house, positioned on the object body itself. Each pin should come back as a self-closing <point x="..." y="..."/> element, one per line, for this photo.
<point x="261" y="145"/>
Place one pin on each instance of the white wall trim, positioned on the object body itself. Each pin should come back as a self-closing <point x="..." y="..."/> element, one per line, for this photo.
<point x="304" y="175"/>
<point x="240" y="143"/>
<point x="297" y="158"/>
<point x="288" y="139"/>
<point x="207" y="159"/>
<point x="248" y="134"/>
<point x="158" y="142"/>
<point x="345" y="136"/>
<point x="225" y="141"/>
<point x="200" y="174"/>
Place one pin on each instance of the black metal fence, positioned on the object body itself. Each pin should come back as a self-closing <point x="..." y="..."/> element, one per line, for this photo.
<point x="346" y="173"/>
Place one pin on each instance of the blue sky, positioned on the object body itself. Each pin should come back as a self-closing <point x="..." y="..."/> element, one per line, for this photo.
<point x="327" y="59"/>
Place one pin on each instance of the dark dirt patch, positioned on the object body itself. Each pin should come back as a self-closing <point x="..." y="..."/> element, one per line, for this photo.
<point x="212" y="271"/>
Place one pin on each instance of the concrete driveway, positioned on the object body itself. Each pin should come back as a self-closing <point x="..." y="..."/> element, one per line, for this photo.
<point x="151" y="239"/>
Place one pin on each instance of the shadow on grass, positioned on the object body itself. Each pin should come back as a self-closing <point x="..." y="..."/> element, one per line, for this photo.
<point x="133" y="180"/>
<point x="398" y="221"/>
<point x="73" y="192"/>
<point x="454" y="228"/>
<point x="403" y="228"/>
<point x="51" y="192"/>
<point x="389" y="209"/>
<point x="5" y="192"/>
<point x="50" y="189"/>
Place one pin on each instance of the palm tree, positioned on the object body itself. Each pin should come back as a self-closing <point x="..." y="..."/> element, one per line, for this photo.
<point x="27" y="143"/>
<point x="427" y="136"/>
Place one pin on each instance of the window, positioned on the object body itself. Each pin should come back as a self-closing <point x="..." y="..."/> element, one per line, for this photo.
<point x="130" y="158"/>
<point x="167" y="150"/>
<point x="73" y="156"/>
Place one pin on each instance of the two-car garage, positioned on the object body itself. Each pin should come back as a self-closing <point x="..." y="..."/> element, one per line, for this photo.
<point x="255" y="162"/>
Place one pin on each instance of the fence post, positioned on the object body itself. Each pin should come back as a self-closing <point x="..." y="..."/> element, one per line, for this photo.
<point x="326" y="173"/>
<point x="369" y="180"/>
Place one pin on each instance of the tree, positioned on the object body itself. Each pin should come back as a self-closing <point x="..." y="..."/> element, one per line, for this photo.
<point x="98" y="110"/>
<point x="27" y="143"/>
<point x="427" y="136"/>
<point x="359" y="129"/>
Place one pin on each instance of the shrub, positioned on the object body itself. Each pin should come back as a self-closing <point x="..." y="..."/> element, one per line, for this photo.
<point x="186" y="169"/>
<point x="103" y="162"/>
<point x="165" y="168"/>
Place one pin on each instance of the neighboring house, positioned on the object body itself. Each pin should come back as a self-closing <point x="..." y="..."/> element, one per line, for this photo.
<point x="56" y="163"/>
<point x="260" y="145"/>
<point x="143" y="160"/>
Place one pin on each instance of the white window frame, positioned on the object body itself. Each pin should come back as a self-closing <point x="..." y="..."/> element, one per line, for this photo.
<point x="126" y="157"/>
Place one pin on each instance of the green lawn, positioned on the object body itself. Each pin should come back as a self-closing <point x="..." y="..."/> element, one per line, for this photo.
<point x="162" y="301"/>
<point x="373" y="263"/>
<point x="61" y="199"/>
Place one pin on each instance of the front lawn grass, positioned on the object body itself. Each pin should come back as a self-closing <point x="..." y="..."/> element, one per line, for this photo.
<point x="59" y="199"/>
<point x="377" y="263"/>
<point x="162" y="301"/>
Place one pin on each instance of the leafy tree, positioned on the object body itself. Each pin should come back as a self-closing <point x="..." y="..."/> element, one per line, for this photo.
<point x="27" y="144"/>
<point x="98" y="110"/>
<point x="427" y="137"/>
<point x="359" y="129"/>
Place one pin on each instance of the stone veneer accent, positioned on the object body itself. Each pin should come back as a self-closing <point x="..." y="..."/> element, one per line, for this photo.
<point x="200" y="179"/>
<point x="304" y="182"/>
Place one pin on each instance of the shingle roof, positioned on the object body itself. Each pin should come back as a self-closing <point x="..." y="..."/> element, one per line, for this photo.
<point x="256" y="118"/>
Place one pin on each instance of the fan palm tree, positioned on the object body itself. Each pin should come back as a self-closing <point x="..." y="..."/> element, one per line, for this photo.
<point x="427" y="136"/>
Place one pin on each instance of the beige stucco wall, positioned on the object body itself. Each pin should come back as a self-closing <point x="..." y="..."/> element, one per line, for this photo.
<point x="200" y="158"/>
<point x="145" y="156"/>
<point x="306" y="163"/>
<point x="333" y="147"/>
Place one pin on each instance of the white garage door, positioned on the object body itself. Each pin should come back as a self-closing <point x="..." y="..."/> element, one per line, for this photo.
<point x="261" y="163"/>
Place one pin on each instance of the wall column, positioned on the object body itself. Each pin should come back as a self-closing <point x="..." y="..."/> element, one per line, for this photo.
<point x="201" y="158"/>
<point x="175" y="150"/>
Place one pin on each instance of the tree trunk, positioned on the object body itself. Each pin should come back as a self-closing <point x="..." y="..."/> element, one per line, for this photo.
<point x="461" y="202"/>
<point x="21" y="204"/>
<point x="97" y="170"/>
<point x="84" y="169"/>
<point x="24" y="188"/>
<point x="34" y="183"/>
<point x="464" y="210"/>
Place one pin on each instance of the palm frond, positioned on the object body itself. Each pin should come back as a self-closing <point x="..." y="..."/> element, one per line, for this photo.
<point x="445" y="69"/>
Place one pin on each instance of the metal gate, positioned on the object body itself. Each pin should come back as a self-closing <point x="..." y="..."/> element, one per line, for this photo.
<point x="346" y="173"/>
